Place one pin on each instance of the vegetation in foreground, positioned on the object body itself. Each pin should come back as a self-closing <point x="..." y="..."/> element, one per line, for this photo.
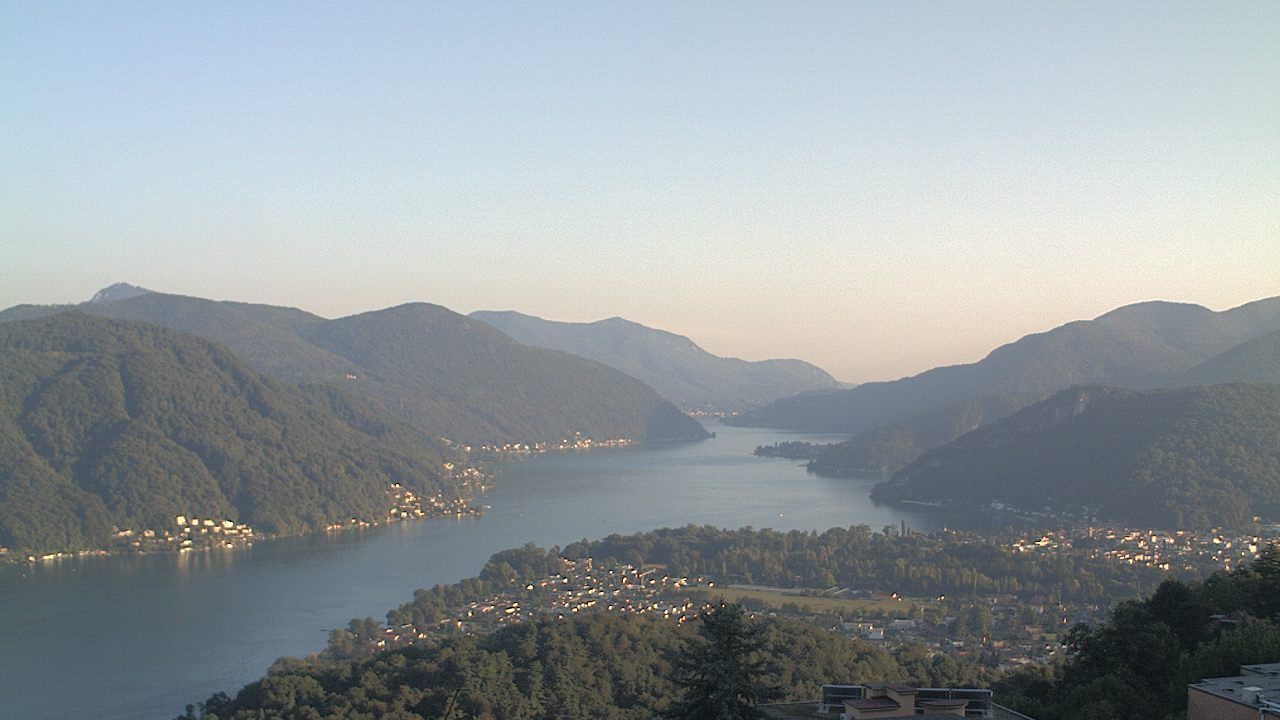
<point x="1137" y="665"/>
<point x="600" y="665"/>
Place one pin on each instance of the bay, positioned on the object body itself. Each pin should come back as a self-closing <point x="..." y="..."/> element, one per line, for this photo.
<point x="142" y="636"/>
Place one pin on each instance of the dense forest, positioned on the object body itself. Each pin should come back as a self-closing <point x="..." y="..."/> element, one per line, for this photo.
<point x="1138" y="665"/>
<point x="889" y="448"/>
<point x="1197" y="457"/>
<point x="446" y="374"/>
<point x="107" y="424"/>
<point x="672" y="364"/>
<point x="599" y="665"/>
<point x="1141" y="346"/>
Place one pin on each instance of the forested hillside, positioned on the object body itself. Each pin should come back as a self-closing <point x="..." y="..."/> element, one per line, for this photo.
<point x="1137" y="666"/>
<point x="672" y="364"/>
<point x="1196" y="457"/>
<point x="108" y="424"/>
<point x="887" y="449"/>
<point x="1255" y="361"/>
<point x="1141" y="346"/>
<point x="448" y="375"/>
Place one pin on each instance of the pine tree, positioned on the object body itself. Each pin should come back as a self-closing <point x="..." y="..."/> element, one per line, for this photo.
<point x="721" y="675"/>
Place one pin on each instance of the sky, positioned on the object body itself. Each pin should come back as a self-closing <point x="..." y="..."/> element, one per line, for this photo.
<point x="878" y="188"/>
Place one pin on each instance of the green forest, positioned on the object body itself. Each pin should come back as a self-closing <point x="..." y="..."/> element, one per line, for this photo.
<point x="599" y="665"/>
<point x="446" y="374"/>
<point x="887" y="449"/>
<point x="110" y="425"/>
<point x="1198" y="457"/>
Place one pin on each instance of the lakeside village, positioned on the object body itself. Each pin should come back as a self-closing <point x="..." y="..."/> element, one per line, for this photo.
<point x="193" y="533"/>
<point x="996" y="630"/>
<point x="577" y="443"/>
<point x="190" y="533"/>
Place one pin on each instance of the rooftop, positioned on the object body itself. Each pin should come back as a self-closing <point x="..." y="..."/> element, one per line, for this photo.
<point x="1253" y="689"/>
<point x="809" y="711"/>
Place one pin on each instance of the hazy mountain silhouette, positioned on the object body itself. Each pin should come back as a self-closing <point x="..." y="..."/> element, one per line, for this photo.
<point x="672" y="364"/>
<point x="1142" y="345"/>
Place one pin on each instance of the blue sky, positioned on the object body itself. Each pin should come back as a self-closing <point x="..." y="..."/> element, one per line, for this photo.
<point x="875" y="187"/>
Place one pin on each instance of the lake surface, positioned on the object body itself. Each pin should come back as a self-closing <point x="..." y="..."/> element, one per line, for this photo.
<point x="140" y="637"/>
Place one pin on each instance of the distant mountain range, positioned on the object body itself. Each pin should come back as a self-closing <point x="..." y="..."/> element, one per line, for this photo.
<point x="674" y="365"/>
<point x="109" y="424"/>
<point x="888" y="448"/>
<point x="1194" y="457"/>
<point x="1143" y="345"/>
<point x="446" y="374"/>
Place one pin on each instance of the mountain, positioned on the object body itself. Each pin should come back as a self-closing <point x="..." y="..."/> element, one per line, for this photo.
<point x="886" y="449"/>
<point x="672" y="364"/>
<point x="447" y="374"/>
<point x="117" y="424"/>
<point x="1142" y="345"/>
<point x="1255" y="361"/>
<point x="1195" y="457"/>
<point x="118" y="291"/>
<point x="444" y="371"/>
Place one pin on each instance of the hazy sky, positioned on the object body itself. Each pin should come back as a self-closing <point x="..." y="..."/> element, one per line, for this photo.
<point x="876" y="187"/>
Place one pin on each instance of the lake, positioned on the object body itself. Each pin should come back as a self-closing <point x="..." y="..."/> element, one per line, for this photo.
<point x="140" y="637"/>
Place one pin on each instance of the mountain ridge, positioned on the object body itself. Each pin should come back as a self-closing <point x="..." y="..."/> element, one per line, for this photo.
<point x="674" y="365"/>
<point x="1138" y="345"/>
<point x="446" y="373"/>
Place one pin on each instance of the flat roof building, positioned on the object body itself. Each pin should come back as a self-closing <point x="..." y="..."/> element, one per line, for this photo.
<point x="1254" y="694"/>
<point x="866" y="702"/>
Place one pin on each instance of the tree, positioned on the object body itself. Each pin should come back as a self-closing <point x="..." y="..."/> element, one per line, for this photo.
<point x="721" y="675"/>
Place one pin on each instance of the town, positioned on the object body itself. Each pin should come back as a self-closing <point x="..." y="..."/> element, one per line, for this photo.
<point x="579" y="586"/>
<point x="996" y="630"/>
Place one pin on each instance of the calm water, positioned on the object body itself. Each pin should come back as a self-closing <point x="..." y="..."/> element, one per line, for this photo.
<point x="140" y="637"/>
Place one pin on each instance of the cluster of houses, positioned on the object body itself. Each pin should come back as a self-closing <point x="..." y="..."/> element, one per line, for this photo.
<point x="579" y="586"/>
<point x="1161" y="549"/>
<point x="577" y="442"/>
<point x="197" y="532"/>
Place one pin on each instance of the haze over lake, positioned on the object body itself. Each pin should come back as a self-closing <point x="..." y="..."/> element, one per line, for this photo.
<point x="145" y="635"/>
